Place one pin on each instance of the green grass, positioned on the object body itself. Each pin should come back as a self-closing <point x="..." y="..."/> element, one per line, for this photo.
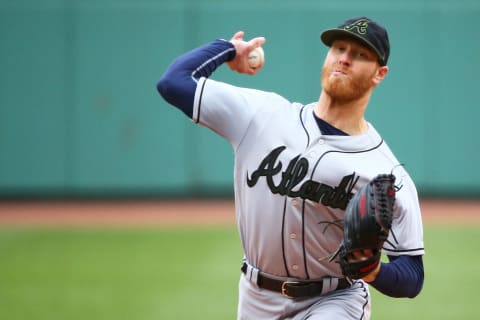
<point x="190" y="273"/>
<point x="452" y="279"/>
<point x="118" y="274"/>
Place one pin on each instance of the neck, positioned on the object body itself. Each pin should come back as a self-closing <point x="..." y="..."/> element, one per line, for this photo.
<point x="348" y="116"/>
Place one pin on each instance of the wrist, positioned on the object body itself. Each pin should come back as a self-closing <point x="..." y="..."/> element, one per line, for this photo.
<point x="372" y="275"/>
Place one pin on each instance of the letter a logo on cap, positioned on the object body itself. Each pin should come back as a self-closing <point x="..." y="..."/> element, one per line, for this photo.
<point x="361" y="26"/>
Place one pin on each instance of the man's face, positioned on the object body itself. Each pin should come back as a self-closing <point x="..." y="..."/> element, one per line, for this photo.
<point x="349" y="70"/>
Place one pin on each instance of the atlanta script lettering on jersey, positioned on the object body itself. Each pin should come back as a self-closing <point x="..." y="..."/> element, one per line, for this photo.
<point x="297" y="169"/>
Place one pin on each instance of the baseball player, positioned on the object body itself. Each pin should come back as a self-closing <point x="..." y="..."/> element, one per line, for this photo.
<point x="296" y="168"/>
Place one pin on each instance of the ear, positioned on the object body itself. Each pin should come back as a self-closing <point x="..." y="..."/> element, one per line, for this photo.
<point x="380" y="74"/>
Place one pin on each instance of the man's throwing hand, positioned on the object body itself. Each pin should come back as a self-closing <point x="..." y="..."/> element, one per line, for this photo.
<point x="243" y="49"/>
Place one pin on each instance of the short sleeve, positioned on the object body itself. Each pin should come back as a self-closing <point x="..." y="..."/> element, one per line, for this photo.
<point x="406" y="235"/>
<point x="228" y="110"/>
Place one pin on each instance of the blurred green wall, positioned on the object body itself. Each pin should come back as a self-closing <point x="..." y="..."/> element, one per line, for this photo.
<point x="80" y="115"/>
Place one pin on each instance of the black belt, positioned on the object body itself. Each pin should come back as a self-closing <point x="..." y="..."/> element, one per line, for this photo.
<point x="295" y="289"/>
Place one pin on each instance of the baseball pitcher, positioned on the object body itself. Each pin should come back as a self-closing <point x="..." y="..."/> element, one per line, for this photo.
<point x="319" y="195"/>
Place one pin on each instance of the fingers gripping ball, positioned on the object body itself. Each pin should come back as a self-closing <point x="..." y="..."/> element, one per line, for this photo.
<point x="256" y="58"/>
<point x="367" y="222"/>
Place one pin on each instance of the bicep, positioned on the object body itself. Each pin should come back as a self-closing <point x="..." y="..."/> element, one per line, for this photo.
<point x="229" y="110"/>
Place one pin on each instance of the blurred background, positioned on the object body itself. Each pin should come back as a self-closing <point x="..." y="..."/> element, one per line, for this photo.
<point x="80" y="115"/>
<point x="80" y="119"/>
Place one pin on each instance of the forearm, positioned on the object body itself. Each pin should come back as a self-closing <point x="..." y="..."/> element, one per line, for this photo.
<point x="402" y="277"/>
<point x="178" y="84"/>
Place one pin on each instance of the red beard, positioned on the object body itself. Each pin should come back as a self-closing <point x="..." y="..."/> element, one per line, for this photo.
<point x="345" y="88"/>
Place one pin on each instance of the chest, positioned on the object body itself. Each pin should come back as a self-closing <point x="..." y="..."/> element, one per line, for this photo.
<point x="319" y="173"/>
<point x="287" y="155"/>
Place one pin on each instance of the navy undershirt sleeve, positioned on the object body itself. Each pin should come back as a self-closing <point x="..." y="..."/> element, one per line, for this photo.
<point x="178" y="84"/>
<point x="402" y="277"/>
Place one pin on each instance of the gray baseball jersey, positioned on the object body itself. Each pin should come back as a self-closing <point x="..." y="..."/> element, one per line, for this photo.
<point x="292" y="183"/>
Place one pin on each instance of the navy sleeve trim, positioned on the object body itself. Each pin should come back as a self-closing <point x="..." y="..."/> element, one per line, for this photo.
<point x="207" y="68"/>
<point x="403" y="251"/>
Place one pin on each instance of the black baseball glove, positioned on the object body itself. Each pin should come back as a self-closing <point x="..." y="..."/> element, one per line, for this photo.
<point x="367" y="222"/>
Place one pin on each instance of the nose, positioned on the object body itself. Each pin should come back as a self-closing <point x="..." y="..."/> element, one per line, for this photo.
<point x="345" y="58"/>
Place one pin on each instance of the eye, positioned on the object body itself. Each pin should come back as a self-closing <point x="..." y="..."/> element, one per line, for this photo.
<point x="361" y="54"/>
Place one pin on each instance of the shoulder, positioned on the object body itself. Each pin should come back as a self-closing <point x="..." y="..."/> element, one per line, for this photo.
<point x="215" y="93"/>
<point x="210" y="86"/>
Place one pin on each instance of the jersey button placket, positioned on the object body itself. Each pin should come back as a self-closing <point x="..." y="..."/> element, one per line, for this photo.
<point x="292" y="238"/>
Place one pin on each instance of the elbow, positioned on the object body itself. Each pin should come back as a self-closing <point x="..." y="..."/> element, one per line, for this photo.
<point x="169" y="89"/>
<point x="412" y="294"/>
<point x="164" y="86"/>
<point x="177" y="92"/>
<point x="413" y="288"/>
<point x="416" y="289"/>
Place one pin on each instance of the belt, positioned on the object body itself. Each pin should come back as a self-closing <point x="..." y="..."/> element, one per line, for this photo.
<point x="299" y="289"/>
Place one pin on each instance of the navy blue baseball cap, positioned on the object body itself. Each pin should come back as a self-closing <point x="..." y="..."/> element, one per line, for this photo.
<point x="365" y="30"/>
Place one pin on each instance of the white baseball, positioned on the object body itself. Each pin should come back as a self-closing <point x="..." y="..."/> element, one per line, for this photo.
<point x="256" y="57"/>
